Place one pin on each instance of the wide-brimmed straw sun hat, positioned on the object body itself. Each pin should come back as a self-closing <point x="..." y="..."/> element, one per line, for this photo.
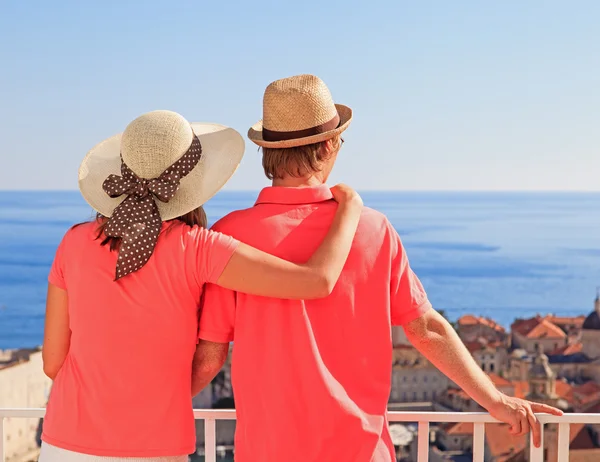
<point x="152" y="143"/>
<point x="298" y="111"/>
<point x="161" y="167"/>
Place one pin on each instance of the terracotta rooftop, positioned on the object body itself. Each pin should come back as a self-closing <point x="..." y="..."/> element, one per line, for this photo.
<point x="594" y="408"/>
<point x="563" y="390"/>
<point x="566" y="350"/>
<point x="538" y="327"/>
<point x="546" y="329"/>
<point x="587" y="402"/>
<point x="499" y="381"/>
<point x="576" y="321"/>
<point x="521" y="389"/>
<point x="460" y="428"/>
<point x="587" y="388"/>
<point x="474" y="346"/>
<point x="586" y="396"/>
<point x="470" y="320"/>
<point x="482" y="344"/>
<point x="503" y="446"/>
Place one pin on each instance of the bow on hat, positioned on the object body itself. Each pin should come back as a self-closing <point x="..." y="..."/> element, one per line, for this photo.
<point x="137" y="219"/>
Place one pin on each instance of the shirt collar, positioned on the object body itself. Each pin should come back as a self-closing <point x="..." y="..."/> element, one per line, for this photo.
<point x="293" y="196"/>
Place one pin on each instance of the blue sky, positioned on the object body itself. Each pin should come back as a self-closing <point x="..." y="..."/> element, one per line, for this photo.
<point x="465" y="95"/>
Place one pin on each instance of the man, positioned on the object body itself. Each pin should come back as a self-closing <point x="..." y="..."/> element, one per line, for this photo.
<point x="312" y="378"/>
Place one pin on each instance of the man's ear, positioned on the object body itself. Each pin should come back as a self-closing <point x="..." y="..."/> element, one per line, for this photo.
<point x="327" y="149"/>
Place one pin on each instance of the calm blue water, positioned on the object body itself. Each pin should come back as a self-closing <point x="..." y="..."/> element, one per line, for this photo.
<point x="497" y="254"/>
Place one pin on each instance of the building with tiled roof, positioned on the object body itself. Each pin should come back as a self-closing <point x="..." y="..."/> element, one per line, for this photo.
<point x="456" y="437"/>
<point x="570" y="362"/>
<point x="590" y="333"/>
<point x="581" y="360"/>
<point x="542" y="382"/>
<point x="564" y="390"/>
<point x="567" y="350"/>
<point x="575" y="368"/>
<point x="570" y="324"/>
<point x="470" y="328"/>
<point x="455" y="399"/>
<point x="491" y="356"/>
<point x="500" y="445"/>
<point x="527" y="334"/>
<point x="502" y="384"/>
<point x="580" y="398"/>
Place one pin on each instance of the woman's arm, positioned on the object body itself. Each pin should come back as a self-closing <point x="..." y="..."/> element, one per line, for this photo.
<point x="57" y="335"/>
<point x="257" y="273"/>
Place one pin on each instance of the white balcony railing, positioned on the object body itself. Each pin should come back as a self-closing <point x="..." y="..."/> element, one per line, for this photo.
<point x="479" y="419"/>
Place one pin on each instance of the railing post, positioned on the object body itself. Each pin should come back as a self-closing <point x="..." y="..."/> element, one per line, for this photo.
<point x="478" y="442"/>
<point x="537" y="454"/>
<point x="2" y="455"/>
<point x="564" y="430"/>
<point x="423" y="442"/>
<point x="210" y="440"/>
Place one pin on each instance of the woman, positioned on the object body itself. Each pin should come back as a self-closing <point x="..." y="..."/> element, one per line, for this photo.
<point x="124" y="290"/>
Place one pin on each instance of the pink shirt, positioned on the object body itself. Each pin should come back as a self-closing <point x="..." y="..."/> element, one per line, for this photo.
<point x="125" y="386"/>
<point x="312" y="378"/>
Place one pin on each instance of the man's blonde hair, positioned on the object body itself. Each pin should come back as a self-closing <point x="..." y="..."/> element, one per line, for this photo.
<point x="298" y="161"/>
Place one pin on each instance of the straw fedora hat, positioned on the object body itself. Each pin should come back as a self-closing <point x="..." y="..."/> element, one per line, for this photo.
<point x="298" y="111"/>
<point x="152" y="143"/>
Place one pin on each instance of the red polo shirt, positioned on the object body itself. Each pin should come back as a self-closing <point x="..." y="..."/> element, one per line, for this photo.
<point x="124" y="388"/>
<point x="312" y="378"/>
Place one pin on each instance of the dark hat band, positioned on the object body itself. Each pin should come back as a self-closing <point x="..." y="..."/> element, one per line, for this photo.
<point x="273" y="135"/>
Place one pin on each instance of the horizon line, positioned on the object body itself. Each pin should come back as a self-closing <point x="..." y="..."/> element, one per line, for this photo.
<point x="461" y="191"/>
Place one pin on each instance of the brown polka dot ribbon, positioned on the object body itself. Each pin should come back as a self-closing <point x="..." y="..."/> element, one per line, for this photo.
<point x="137" y="219"/>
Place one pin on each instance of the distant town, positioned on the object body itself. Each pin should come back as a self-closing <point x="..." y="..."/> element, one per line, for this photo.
<point x="547" y="358"/>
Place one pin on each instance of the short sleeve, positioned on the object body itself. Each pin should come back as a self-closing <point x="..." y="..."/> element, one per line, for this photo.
<point x="213" y="250"/>
<point x="407" y="296"/>
<point x="217" y="314"/>
<point x="57" y="270"/>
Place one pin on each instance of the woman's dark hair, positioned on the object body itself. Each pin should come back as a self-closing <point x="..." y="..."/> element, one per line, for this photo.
<point x="196" y="217"/>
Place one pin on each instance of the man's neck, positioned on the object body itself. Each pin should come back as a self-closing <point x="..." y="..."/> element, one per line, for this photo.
<point x="303" y="182"/>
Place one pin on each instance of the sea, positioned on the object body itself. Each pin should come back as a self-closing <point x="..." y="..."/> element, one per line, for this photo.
<point x="498" y="254"/>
